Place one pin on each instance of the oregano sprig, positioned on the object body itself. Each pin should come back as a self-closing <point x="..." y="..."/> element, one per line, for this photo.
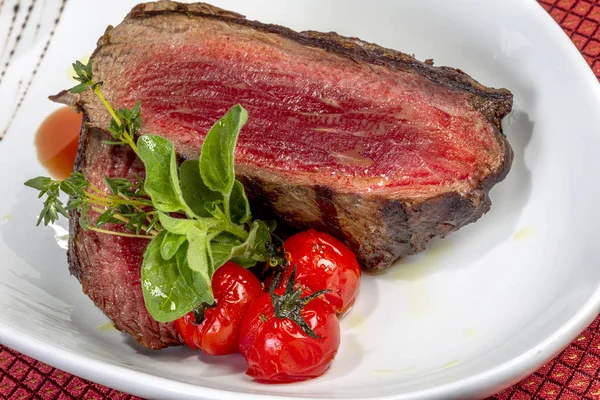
<point x="206" y="215"/>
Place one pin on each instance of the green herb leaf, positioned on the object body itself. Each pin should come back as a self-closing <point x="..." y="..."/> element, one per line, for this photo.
<point x="74" y="185"/>
<point x="84" y="221"/>
<point x="217" y="156"/>
<point x="53" y="206"/>
<point x="227" y="246"/>
<point x="199" y="255"/>
<point x="128" y="188"/>
<point x="129" y="122"/>
<point x="199" y="198"/>
<point x="136" y="221"/>
<point x="106" y="217"/>
<point x="178" y="226"/>
<point x="39" y="183"/>
<point x="153" y="223"/>
<point x="133" y="118"/>
<point x="116" y="130"/>
<point x="171" y="244"/>
<point x="82" y="87"/>
<point x="83" y="72"/>
<point x="171" y="289"/>
<point x="257" y="243"/>
<point x="115" y="185"/>
<point x="243" y="261"/>
<point x="222" y="248"/>
<point x="239" y="208"/>
<point x="162" y="180"/>
<point x="271" y="224"/>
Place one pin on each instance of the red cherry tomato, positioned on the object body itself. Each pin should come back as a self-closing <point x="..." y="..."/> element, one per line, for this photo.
<point x="323" y="262"/>
<point x="278" y="350"/>
<point x="233" y="287"/>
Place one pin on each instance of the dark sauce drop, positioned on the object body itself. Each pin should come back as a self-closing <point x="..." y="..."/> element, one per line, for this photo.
<point x="56" y="141"/>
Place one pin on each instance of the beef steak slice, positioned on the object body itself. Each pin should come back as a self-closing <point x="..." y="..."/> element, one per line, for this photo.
<point x="366" y="143"/>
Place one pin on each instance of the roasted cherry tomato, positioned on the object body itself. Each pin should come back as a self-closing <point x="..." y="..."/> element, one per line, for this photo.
<point x="286" y="338"/>
<point x="233" y="287"/>
<point x="323" y="262"/>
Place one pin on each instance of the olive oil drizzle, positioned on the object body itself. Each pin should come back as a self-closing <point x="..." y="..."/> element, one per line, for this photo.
<point x="35" y="71"/>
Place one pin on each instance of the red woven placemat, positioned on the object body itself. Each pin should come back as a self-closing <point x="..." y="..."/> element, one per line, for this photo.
<point x="573" y="374"/>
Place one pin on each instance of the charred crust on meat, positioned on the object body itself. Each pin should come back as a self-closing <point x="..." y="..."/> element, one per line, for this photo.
<point x="325" y="199"/>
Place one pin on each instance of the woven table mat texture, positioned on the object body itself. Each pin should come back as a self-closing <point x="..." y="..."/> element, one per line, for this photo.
<point x="573" y="374"/>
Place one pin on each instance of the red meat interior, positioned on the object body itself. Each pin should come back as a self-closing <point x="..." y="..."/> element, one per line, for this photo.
<point x="360" y="127"/>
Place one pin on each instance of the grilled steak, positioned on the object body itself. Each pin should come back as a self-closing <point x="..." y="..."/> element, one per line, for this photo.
<point x="369" y="144"/>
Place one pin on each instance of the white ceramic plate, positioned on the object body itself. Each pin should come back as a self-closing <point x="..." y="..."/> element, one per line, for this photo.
<point x="470" y="316"/>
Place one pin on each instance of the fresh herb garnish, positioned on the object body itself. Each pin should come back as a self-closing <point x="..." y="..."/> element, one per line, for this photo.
<point x="125" y="123"/>
<point x="196" y="215"/>
<point x="212" y="224"/>
<point x="124" y="205"/>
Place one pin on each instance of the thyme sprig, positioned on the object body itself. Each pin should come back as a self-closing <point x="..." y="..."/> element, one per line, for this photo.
<point x="126" y="205"/>
<point x="125" y="123"/>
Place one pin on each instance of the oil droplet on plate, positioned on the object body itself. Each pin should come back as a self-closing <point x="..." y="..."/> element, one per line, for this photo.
<point x="7" y="217"/>
<point x="107" y="327"/>
<point x="524" y="234"/>
<point x="56" y="141"/>
<point x="415" y="271"/>
<point x="470" y="333"/>
<point x="451" y="364"/>
<point x="354" y="320"/>
<point x="422" y="265"/>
